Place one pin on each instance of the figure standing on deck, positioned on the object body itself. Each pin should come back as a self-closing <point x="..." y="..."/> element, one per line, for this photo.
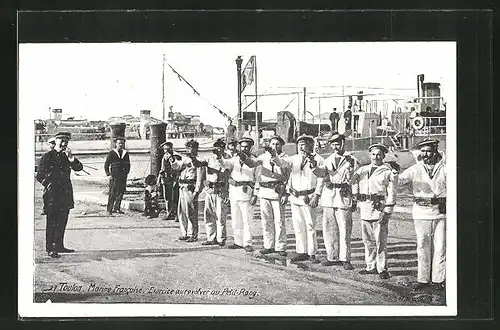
<point x="241" y="195"/>
<point x="304" y="191"/>
<point x="374" y="188"/>
<point x="54" y="173"/>
<point x="190" y="185"/>
<point x="428" y="179"/>
<point x="337" y="202"/>
<point x="271" y="189"/>
<point x="117" y="167"/>
<point x="215" y="211"/>
<point x="334" y="120"/>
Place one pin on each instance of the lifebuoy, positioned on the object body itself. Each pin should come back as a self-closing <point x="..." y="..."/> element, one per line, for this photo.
<point x="417" y="123"/>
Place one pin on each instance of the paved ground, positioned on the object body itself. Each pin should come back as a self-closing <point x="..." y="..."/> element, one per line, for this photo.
<point x="133" y="259"/>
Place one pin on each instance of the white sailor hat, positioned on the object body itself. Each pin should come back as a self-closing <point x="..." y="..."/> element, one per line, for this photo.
<point x="379" y="146"/>
<point x="336" y="136"/>
<point x="306" y="138"/>
<point x="427" y="142"/>
<point x="246" y="139"/>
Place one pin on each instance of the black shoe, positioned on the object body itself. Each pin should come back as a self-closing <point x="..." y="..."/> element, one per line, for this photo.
<point x="109" y="214"/>
<point x="419" y="286"/>
<point x="266" y="251"/>
<point x="222" y="243"/>
<point x="65" y="250"/>
<point x="192" y="239"/>
<point x="234" y="246"/>
<point x="314" y="260"/>
<point x="440" y="286"/>
<point x="183" y="238"/>
<point x="327" y="262"/>
<point x="384" y="275"/>
<point x="300" y="257"/>
<point x="368" y="272"/>
<point x="282" y="253"/>
<point x="210" y="243"/>
<point x="119" y="211"/>
<point x="248" y="248"/>
<point x="54" y="254"/>
<point x="347" y="265"/>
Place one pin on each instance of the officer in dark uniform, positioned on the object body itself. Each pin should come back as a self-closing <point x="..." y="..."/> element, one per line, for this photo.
<point x="117" y="167"/>
<point x="54" y="174"/>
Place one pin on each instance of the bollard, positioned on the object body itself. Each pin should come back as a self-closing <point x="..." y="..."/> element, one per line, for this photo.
<point x="117" y="129"/>
<point x="157" y="137"/>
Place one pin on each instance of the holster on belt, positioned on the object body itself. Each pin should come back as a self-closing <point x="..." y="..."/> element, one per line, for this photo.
<point x="245" y="184"/>
<point x="345" y="188"/>
<point x="278" y="186"/>
<point x="377" y="200"/>
<point x="439" y="201"/>
<point x="304" y="193"/>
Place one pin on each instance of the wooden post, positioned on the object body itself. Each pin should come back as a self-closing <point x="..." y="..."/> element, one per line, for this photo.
<point x="158" y="136"/>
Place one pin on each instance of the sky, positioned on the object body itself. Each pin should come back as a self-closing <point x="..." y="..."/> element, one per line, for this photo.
<point x="98" y="81"/>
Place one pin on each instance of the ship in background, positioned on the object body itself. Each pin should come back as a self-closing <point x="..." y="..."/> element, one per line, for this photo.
<point x="399" y="123"/>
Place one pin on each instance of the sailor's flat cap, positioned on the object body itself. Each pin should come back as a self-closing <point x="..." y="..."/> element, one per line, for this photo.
<point x="247" y="140"/>
<point x="378" y="146"/>
<point x="305" y="138"/>
<point x="427" y="142"/>
<point x="277" y="137"/>
<point x="63" y="135"/>
<point x="336" y="136"/>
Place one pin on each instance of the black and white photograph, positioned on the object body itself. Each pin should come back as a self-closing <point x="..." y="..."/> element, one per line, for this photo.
<point x="237" y="179"/>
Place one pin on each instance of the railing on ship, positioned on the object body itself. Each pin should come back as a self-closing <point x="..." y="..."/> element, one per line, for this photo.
<point x="43" y="137"/>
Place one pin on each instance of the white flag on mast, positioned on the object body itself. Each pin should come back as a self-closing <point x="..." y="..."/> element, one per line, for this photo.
<point x="247" y="76"/>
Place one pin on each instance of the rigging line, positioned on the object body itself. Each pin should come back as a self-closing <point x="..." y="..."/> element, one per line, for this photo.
<point x="223" y="113"/>
<point x="289" y="103"/>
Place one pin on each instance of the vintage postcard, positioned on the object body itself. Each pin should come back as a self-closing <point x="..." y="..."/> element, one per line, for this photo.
<point x="237" y="179"/>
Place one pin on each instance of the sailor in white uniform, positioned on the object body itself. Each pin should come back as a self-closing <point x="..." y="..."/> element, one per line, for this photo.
<point x="304" y="191"/>
<point x="241" y="195"/>
<point x="215" y="210"/>
<point x="428" y="180"/>
<point x="337" y="202"/>
<point x="271" y="190"/>
<point x="190" y="185"/>
<point x="375" y="188"/>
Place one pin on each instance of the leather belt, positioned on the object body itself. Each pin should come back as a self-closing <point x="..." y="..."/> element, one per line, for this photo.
<point x="298" y="193"/>
<point x="240" y="183"/>
<point x="187" y="181"/>
<point x="270" y="184"/>
<point x="337" y="185"/>
<point x="215" y="184"/>
<point x="430" y="201"/>
<point x="373" y="197"/>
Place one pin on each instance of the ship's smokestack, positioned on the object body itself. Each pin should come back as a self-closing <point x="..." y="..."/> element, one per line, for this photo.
<point x="420" y="84"/>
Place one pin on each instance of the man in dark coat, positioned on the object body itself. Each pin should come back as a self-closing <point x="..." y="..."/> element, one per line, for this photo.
<point x="117" y="167"/>
<point x="54" y="174"/>
<point x="169" y="180"/>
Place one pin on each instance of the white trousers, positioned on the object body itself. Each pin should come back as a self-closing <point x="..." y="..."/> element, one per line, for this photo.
<point x="242" y="215"/>
<point x="431" y="250"/>
<point x="374" y="236"/>
<point x="187" y="213"/>
<point x="273" y="224"/>
<point x="337" y="229"/>
<point x="215" y="214"/>
<point x="304" y="225"/>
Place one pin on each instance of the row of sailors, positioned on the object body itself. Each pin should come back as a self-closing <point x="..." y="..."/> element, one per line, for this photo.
<point x="338" y="184"/>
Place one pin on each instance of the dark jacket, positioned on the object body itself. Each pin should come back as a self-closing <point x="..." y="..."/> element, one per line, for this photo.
<point x="54" y="174"/>
<point x="116" y="166"/>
